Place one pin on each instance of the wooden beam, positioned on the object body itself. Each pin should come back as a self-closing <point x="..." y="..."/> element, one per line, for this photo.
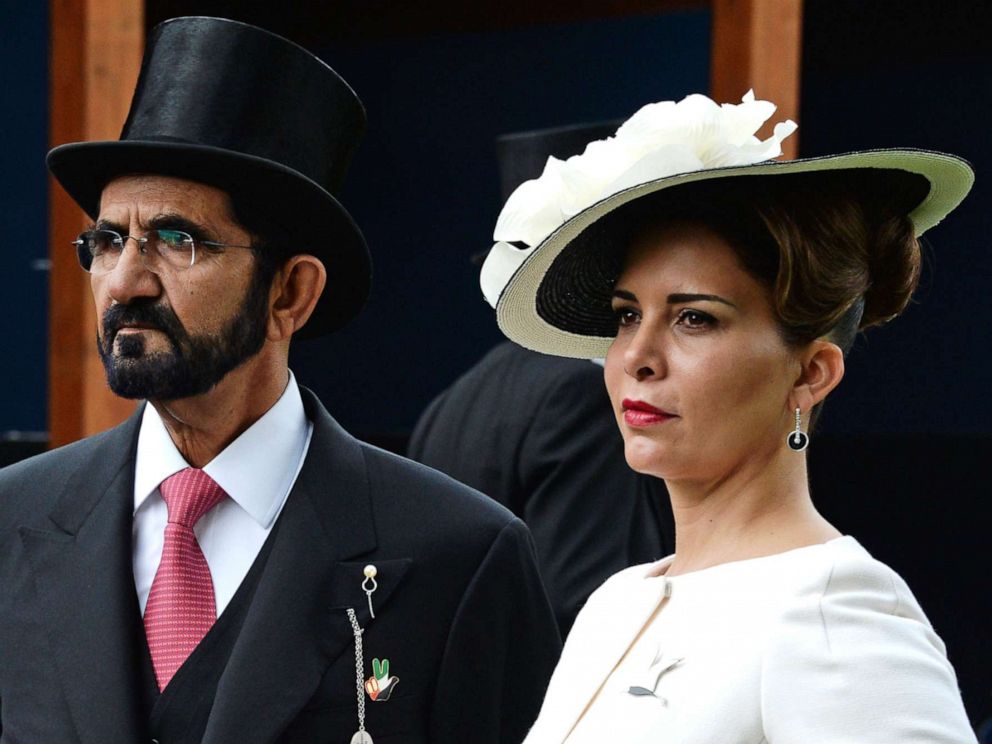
<point x="95" y="56"/>
<point x="758" y="44"/>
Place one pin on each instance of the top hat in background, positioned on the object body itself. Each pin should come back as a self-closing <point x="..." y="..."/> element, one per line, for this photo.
<point x="521" y="156"/>
<point x="236" y="107"/>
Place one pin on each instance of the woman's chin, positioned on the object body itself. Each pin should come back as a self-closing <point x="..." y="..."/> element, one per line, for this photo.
<point x="648" y="457"/>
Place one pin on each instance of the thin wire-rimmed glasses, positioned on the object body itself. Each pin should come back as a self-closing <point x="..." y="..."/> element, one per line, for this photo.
<point x="161" y="251"/>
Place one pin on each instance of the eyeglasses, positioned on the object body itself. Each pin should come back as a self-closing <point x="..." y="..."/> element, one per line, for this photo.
<point x="161" y="251"/>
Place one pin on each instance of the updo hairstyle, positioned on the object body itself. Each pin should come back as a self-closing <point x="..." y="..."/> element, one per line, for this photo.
<point x="835" y="249"/>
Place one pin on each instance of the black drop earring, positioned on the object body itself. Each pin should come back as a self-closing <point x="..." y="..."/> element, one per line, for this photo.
<point x="797" y="440"/>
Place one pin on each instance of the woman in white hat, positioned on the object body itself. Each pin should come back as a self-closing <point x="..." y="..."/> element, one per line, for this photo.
<point x="724" y="290"/>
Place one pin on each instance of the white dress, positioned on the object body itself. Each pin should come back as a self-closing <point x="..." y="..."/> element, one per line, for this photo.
<point x="815" y="645"/>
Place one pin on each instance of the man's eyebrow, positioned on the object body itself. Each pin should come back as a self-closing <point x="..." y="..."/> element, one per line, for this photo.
<point x="108" y="225"/>
<point x="166" y="221"/>
<point x="162" y="221"/>
<point x="678" y="299"/>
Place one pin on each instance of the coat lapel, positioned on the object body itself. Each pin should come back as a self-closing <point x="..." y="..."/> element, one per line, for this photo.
<point x="82" y="569"/>
<point x="297" y="624"/>
<point x="597" y="643"/>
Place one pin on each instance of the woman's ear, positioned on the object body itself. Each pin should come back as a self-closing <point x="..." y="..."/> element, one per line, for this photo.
<point x="296" y="287"/>
<point x="822" y="370"/>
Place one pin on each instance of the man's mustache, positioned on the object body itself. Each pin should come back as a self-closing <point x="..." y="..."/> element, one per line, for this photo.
<point x="152" y="315"/>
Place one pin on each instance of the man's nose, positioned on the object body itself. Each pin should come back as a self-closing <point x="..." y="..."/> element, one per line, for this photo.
<point x="131" y="278"/>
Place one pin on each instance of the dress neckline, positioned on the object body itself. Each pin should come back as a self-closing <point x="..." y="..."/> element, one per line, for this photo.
<point x="659" y="569"/>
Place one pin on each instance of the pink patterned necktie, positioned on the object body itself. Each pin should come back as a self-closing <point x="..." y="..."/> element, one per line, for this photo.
<point x="181" y="607"/>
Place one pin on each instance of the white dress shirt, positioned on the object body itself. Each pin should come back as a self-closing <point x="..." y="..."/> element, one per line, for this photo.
<point x="257" y="471"/>
<point x="821" y="644"/>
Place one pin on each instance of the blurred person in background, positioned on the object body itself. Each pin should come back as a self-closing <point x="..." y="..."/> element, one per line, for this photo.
<point x="537" y="433"/>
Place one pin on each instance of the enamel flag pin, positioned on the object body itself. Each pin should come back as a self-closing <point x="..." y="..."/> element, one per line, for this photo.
<point x="380" y="685"/>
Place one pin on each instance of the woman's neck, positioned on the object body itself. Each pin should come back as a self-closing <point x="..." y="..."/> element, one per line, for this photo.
<point x="760" y="509"/>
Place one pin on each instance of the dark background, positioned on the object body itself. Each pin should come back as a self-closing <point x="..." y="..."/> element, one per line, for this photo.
<point x="900" y="457"/>
<point x="23" y="215"/>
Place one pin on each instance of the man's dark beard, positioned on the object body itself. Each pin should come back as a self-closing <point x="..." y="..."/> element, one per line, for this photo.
<point x="194" y="364"/>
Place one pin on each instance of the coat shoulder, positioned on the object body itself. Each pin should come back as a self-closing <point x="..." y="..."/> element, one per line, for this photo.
<point x="510" y="375"/>
<point x="424" y="493"/>
<point x="29" y="487"/>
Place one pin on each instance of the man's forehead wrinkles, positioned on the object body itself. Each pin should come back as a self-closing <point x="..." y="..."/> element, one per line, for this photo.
<point x="148" y="193"/>
<point x="149" y="214"/>
<point x="157" y="212"/>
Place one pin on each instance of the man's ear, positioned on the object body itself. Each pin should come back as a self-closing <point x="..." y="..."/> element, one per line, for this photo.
<point x="822" y="370"/>
<point x="296" y="287"/>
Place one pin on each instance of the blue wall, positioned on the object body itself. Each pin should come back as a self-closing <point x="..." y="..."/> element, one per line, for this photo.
<point x="425" y="190"/>
<point x="423" y="187"/>
<point x="23" y="216"/>
<point x="927" y="372"/>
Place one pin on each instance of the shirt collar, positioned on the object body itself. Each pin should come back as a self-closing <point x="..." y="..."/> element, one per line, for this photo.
<point x="256" y="470"/>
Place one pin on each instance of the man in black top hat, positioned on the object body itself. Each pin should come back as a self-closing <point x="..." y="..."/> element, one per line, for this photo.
<point x="229" y="565"/>
<point x="537" y="433"/>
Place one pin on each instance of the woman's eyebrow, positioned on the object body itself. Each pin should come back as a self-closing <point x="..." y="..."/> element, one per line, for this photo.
<point x="677" y="299"/>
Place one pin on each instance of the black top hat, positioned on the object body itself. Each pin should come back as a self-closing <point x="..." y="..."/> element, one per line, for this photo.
<point x="521" y="156"/>
<point x="236" y="107"/>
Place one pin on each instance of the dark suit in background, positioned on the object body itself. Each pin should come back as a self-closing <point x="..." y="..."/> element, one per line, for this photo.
<point x="537" y="434"/>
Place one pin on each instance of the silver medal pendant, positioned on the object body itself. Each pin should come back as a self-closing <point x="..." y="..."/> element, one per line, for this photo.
<point x="361" y="736"/>
<point x="380" y="684"/>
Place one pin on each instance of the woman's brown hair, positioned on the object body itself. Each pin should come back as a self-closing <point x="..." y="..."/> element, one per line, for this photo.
<point x="836" y="250"/>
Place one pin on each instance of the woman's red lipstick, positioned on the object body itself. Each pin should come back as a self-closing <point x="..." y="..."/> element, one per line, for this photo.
<point x="639" y="413"/>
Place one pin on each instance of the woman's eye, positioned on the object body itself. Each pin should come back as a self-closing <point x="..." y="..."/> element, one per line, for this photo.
<point x="625" y="316"/>
<point x="695" y="319"/>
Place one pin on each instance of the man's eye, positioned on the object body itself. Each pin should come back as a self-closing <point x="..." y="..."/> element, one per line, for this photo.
<point x="98" y="247"/>
<point x="695" y="319"/>
<point x="175" y="239"/>
<point x="99" y="242"/>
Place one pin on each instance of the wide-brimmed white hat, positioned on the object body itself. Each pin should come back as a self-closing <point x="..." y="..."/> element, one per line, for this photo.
<point x="534" y="276"/>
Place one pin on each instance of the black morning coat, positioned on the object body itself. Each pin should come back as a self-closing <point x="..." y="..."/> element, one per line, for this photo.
<point x="537" y="433"/>
<point x="459" y="612"/>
